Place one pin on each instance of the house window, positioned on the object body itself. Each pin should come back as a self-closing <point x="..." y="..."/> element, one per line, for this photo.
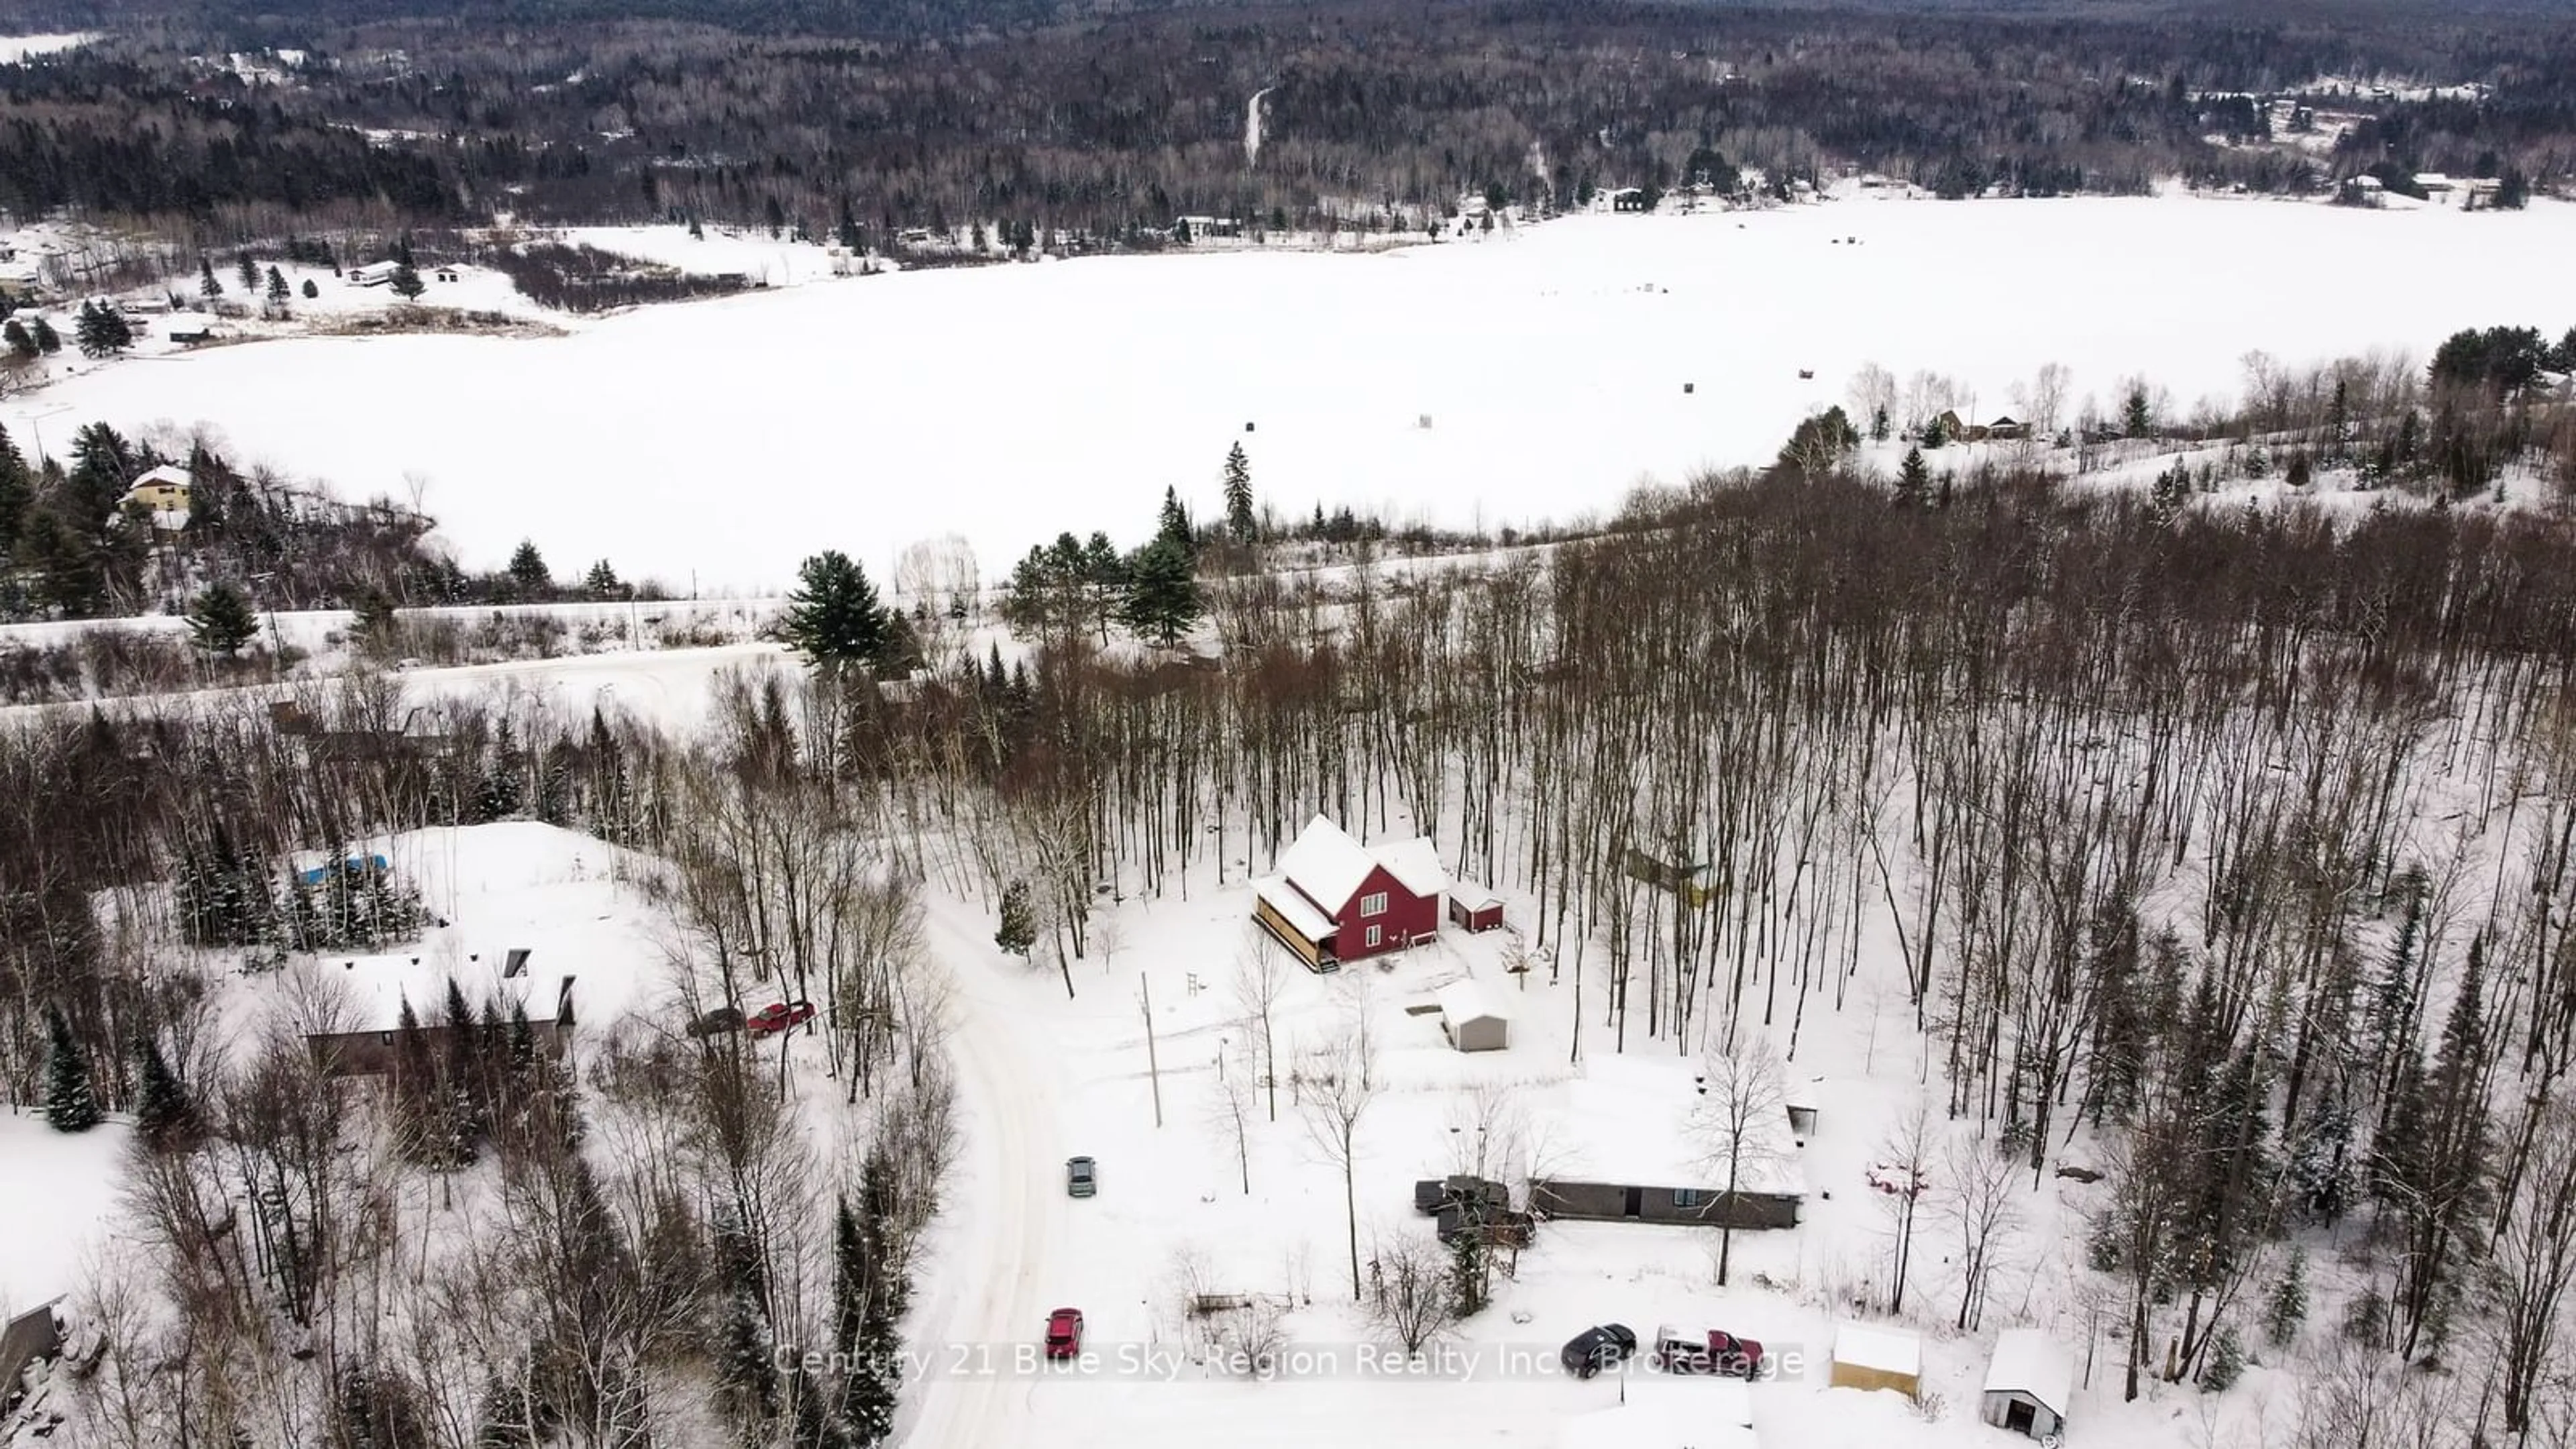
<point x="1373" y="905"/>
<point x="387" y="1039"/>
<point x="1373" y="936"/>
<point x="1686" y="1197"/>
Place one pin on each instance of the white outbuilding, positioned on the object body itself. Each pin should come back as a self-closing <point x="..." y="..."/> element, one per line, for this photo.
<point x="1473" y="1015"/>
<point x="2028" y="1384"/>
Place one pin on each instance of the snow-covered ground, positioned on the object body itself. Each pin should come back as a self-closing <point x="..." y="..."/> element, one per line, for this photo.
<point x="735" y="436"/>
<point x="15" y="49"/>
<point x="57" y="1198"/>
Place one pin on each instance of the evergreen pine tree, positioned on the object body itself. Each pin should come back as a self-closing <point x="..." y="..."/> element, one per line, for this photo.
<point x="1019" y="928"/>
<point x="277" y="291"/>
<point x="745" y="1361"/>
<point x="248" y="271"/>
<point x="2286" y="1308"/>
<point x="69" y="1104"/>
<point x="2137" y="416"/>
<point x="22" y="343"/>
<point x="101" y="331"/>
<point x="1878" y="425"/>
<point x="207" y="286"/>
<point x="309" y="290"/>
<point x="48" y="341"/>
<point x="1239" y="520"/>
<point x="1105" y="577"/>
<point x="2226" y="1362"/>
<point x="528" y="571"/>
<point x="833" y="617"/>
<point x="602" y="582"/>
<point x="222" y="621"/>
<point x="1163" y="592"/>
<point x="1467" y="1270"/>
<point x="1913" y="479"/>
<point x="1173" y="525"/>
<point x="163" y="1116"/>
<point x="406" y="283"/>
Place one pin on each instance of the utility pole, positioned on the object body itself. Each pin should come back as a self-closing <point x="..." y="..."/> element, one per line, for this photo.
<point x="1153" y="1067"/>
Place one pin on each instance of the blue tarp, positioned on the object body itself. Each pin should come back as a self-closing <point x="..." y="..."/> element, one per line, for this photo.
<point x="354" y="865"/>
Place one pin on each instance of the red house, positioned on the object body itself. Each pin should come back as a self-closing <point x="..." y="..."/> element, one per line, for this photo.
<point x="1335" y="900"/>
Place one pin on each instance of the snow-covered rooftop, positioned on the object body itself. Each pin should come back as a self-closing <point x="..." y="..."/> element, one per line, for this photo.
<point x="1327" y="864"/>
<point x="1415" y="862"/>
<point x="2030" y="1362"/>
<point x="57" y="1195"/>
<point x="379" y="985"/>
<point x="1888" y="1350"/>
<point x="1467" y="999"/>
<point x="1294" y="908"/>
<point x="1636" y="1115"/>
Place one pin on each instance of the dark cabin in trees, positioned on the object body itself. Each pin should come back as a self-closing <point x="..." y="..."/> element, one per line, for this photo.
<point x="1335" y="900"/>
<point x="378" y="987"/>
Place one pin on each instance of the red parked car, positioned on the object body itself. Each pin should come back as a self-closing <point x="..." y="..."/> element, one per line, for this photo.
<point x="1715" y="1352"/>
<point x="1064" y="1333"/>
<point x="778" y="1016"/>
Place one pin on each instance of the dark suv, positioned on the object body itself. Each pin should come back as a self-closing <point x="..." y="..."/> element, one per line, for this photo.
<point x="1594" y="1349"/>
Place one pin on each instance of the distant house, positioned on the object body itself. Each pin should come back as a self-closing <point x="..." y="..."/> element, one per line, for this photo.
<point x="446" y="274"/>
<point x="1193" y="228"/>
<point x="162" y="490"/>
<point x="2007" y="427"/>
<point x="1629" y="198"/>
<point x="190" y="332"/>
<point x="1867" y="1356"/>
<point x="380" y="986"/>
<point x="1335" y="900"/>
<point x="373" y="274"/>
<point x="1473" y="1016"/>
<point x="2434" y="183"/>
<point x="2028" y="1384"/>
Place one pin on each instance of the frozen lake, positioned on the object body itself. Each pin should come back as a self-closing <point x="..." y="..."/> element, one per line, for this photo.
<point x="1007" y="403"/>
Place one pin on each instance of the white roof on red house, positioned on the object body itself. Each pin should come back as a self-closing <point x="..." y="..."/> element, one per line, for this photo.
<point x="1330" y="867"/>
<point x="1296" y="910"/>
<point x="1416" y="863"/>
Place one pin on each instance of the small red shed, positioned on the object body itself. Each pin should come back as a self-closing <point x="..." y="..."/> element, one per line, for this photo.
<point x="1474" y="912"/>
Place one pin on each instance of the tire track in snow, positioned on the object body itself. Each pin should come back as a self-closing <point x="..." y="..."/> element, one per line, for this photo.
<point x="1004" y="1229"/>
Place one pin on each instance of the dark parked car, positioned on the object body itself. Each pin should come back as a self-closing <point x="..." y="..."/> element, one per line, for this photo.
<point x="1594" y="1349"/>
<point x="719" y="1022"/>
<point x="1432" y="1194"/>
<point x="1081" y="1177"/>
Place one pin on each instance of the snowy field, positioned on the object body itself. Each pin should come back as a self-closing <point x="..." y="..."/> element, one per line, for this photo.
<point x="732" y="437"/>
<point x="18" y="49"/>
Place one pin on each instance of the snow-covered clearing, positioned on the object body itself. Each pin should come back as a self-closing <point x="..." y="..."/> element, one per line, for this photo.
<point x="57" y="1195"/>
<point x="15" y="49"/>
<point x="735" y="436"/>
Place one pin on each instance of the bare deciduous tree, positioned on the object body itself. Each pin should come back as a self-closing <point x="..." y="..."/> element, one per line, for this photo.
<point x="1414" y="1300"/>
<point x="1737" y="1122"/>
<point x="1333" y="1094"/>
<point x="1983" y="1204"/>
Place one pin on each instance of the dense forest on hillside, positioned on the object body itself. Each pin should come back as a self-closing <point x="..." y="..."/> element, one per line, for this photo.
<point x="1102" y="133"/>
<point x="2231" y="836"/>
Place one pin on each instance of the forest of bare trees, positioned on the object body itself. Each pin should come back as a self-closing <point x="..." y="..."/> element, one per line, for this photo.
<point x="2237" y="837"/>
